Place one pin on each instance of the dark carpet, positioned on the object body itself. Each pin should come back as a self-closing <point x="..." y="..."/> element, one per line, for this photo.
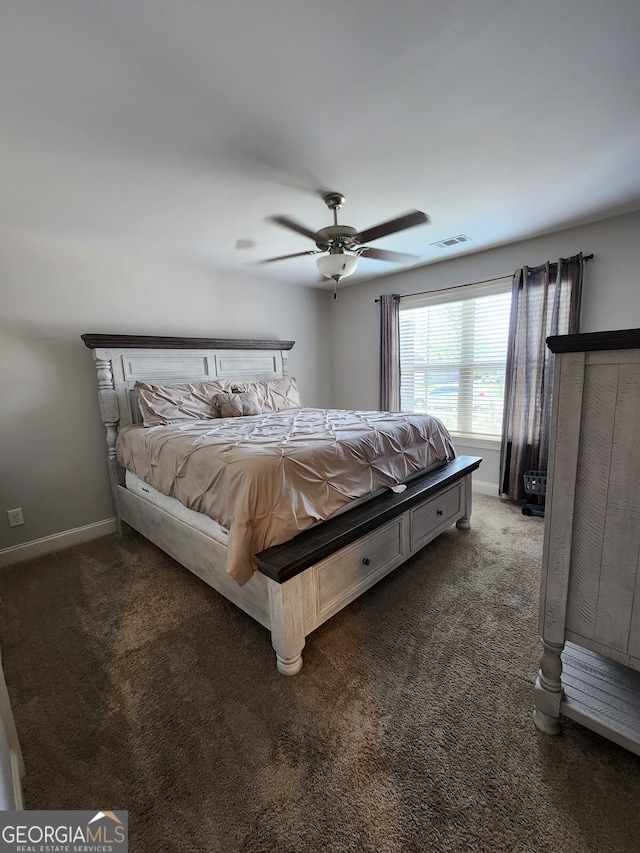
<point x="134" y="686"/>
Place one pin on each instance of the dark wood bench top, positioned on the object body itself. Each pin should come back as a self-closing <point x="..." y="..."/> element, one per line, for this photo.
<point x="281" y="562"/>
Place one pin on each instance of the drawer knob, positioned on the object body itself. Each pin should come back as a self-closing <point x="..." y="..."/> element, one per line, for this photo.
<point x="366" y="561"/>
<point x="439" y="512"/>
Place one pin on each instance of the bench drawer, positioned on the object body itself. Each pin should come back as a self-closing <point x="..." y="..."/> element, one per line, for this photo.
<point x="347" y="573"/>
<point x="435" y="515"/>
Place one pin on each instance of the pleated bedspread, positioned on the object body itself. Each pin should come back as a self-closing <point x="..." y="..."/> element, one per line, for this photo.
<point x="267" y="477"/>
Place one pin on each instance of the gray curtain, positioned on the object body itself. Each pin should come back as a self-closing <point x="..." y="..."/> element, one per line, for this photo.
<point x="390" y="352"/>
<point x="545" y="301"/>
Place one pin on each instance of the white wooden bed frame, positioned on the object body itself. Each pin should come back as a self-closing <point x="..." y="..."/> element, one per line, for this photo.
<point x="301" y="583"/>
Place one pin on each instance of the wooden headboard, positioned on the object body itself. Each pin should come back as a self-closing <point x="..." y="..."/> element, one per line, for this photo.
<point x="123" y="360"/>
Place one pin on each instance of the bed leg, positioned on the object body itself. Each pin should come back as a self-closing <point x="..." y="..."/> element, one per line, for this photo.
<point x="464" y="523"/>
<point x="287" y="624"/>
<point x="289" y="666"/>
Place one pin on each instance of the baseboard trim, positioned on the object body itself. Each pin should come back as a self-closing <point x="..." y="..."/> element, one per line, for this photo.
<point x="57" y="542"/>
<point x="481" y="488"/>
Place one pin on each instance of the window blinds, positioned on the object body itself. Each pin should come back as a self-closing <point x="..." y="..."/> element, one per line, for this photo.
<point x="453" y="347"/>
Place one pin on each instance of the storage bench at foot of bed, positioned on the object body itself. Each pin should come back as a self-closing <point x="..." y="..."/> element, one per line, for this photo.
<point x="325" y="568"/>
<point x="305" y="581"/>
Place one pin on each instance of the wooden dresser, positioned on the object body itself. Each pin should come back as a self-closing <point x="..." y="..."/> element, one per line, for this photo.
<point x="590" y="592"/>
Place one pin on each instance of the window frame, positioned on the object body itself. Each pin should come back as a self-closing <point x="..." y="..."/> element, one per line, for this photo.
<point x="465" y="366"/>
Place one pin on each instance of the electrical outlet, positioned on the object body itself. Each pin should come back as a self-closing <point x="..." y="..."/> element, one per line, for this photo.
<point x="15" y="517"/>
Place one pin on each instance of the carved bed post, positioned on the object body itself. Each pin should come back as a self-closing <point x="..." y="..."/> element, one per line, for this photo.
<point x="110" y="416"/>
<point x="286" y="609"/>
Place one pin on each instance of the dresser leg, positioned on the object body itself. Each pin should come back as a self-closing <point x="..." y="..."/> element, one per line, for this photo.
<point x="547" y="694"/>
<point x="548" y="725"/>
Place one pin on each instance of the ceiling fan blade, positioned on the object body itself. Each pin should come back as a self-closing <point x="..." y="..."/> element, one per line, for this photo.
<point x="384" y="255"/>
<point x="286" y="257"/>
<point x="408" y="220"/>
<point x="292" y="225"/>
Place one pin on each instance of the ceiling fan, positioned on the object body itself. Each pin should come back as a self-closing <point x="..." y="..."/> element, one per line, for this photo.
<point x="340" y="246"/>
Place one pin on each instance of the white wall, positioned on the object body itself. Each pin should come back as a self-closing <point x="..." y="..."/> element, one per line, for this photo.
<point x="611" y="300"/>
<point x="53" y="462"/>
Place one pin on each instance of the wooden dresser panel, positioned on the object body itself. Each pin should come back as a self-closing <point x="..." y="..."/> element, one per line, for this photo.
<point x="603" y="601"/>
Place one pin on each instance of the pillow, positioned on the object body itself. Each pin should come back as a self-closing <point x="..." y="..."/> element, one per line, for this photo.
<point x="238" y="405"/>
<point x="275" y="395"/>
<point x="167" y="404"/>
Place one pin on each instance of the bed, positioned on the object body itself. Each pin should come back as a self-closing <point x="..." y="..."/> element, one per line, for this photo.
<point x="326" y="503"/>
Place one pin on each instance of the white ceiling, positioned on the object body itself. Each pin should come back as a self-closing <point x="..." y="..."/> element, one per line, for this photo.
<point x="175" y="129"/>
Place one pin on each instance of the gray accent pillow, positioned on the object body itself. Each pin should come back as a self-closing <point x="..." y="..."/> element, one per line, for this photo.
<point x="238" y="405"/>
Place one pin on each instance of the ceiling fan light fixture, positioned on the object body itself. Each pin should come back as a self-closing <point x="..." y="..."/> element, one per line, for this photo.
<point x="344" y="245"/>
<point x="337" y="265"/>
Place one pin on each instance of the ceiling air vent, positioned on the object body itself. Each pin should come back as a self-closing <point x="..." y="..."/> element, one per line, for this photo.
<point x="451" y="241"/>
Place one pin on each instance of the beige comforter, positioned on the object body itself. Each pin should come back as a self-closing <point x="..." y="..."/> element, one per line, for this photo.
<point x="269" y="476"/>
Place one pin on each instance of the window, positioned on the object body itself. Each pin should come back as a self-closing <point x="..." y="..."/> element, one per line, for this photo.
<point x="453" y="350"/>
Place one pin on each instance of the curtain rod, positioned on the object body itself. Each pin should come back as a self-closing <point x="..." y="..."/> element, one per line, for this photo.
<point x="470" y="283"/>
